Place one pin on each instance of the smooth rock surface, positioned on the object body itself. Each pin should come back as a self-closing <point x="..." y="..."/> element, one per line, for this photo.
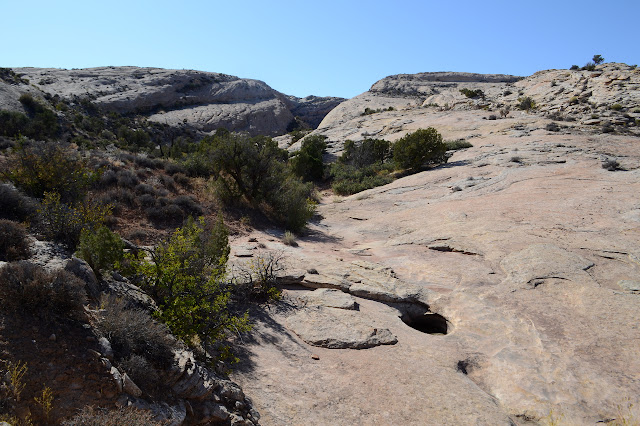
<point x="336" y="328"/>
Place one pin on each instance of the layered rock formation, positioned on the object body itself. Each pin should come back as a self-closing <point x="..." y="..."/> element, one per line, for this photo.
<point x="204" y="101"/>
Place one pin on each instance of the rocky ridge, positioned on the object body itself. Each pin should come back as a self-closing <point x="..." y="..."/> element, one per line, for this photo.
<point x="589" y="101"/>
<point x="204" y="101"/>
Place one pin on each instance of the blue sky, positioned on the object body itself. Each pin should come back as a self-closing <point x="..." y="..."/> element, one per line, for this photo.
<point x="324" y="48"/>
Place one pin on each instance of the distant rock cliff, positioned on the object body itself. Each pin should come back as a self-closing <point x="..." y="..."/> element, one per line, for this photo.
<point x="204" y="101"/>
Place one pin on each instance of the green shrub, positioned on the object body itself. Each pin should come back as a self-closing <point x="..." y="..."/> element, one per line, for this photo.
<point x="13" y="123"/>
<point x="100" y="248"/>
<point x="64" y="223"/>
<point x="26" y="288"/>
<point x="367" y="152"/>
<point x="46" y="167"/>
<point x="597" y="59"/>
<point x="349" y="179"/>
<point x="185" y="277"/>
<point x="14" y="244"/>
<point x="616" y="107"/>
<point x="255" y="172"/>
<point x="292" y="204"/>
<point x="472" y="93"/>
<point x="424" y="146"/>
<point x="307" y="162"/>
<point x="574" y="67"/>
<point x="457" y="144"/>
<point x="526" y="103"/>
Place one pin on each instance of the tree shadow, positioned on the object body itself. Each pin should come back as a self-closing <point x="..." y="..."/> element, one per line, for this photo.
<point x="267" y="331"/>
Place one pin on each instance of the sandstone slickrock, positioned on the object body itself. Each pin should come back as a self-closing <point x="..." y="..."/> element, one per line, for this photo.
<point x="202" y="100"/>
<point x="533" y="262"/>
<point x="336" y="328"/>
<point x="329" y="298"/>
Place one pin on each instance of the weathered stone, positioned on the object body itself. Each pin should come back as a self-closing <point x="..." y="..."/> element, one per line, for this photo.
<point x="632" y="286"/>
<point x="117" y="377"/>
<point x="105" y="348"/>
<point x="82" y="270"/>
<point x="335" y="328"/>
<point x="331" y="298"/>
<point x="130" y="387"/>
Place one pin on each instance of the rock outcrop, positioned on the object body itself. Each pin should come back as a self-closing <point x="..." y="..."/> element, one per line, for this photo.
<point x="606" y="99"/>
<point x="201" y="100"/>
<point x="522" y="248"/>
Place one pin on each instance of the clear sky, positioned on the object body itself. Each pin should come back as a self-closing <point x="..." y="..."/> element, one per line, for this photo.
<point x="323" y="48"/>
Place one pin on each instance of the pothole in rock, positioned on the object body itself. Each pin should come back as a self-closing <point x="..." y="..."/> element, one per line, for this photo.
<point x="419" y="318"/>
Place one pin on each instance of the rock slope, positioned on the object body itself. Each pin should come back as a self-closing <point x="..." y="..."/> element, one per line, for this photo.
<point x="605" y="99"/>
<point x="508" y="276"/>
<point x="205" y="101"/>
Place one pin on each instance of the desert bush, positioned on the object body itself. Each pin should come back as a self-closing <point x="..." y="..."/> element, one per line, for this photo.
<point x="526" y="103"/>
<point x="39" y="123"/>
<point x="307" y="162"/>
<point x="292" y="204"/>
<point x="129" y="416"/>
<point x="472" y="93"/>
<point x="100" y="248"/>
<point x="616" y="107"/>
<point x="47" y="167"/>
<point x="182" y="179"/>
<point x="64" y="223"/>
<point x="143" y="188"/>
<point x="28" y="288"/>
<point x="118" y="197"/>
<point x="14" y="244"/>
<point x="256" y="280"/>
<point x="367" y="152"/>
<point x="143" y="374"/>
<point x="189" y="205"/>
<point x="552" y="127"/>
<point x="597" y="59"/>
<point x="168" y="182"/>
<point x="172" y="168"/>
<point x="611" y="165"/>
<point x="574" y="67"/>
<point x="457" y="144"/>
<point x="289" y="239"/>
<point x="108" y="178"/>
<point x="424" y="146"/>
<point x="14" y="205"/>
<point x="185" y="277"/>
<point x="146" y="200"/>
<point x="132" y="331"/>
<point x="127" y="179"/>
<point x="13" y="123"/>
<point x="349" y="179"/>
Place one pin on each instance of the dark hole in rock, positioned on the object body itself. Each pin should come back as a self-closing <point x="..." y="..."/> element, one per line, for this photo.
<point x="463" y="366"/>
<point x="428" y="322"/>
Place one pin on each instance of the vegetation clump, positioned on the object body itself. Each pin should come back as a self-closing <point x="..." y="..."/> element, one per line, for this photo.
<point x="469" y="93"/>
<point x="26" y="288"/>
<point x="14" y="244"/>
<point x="185" y="276"/>
<point x="422" y="147"/>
